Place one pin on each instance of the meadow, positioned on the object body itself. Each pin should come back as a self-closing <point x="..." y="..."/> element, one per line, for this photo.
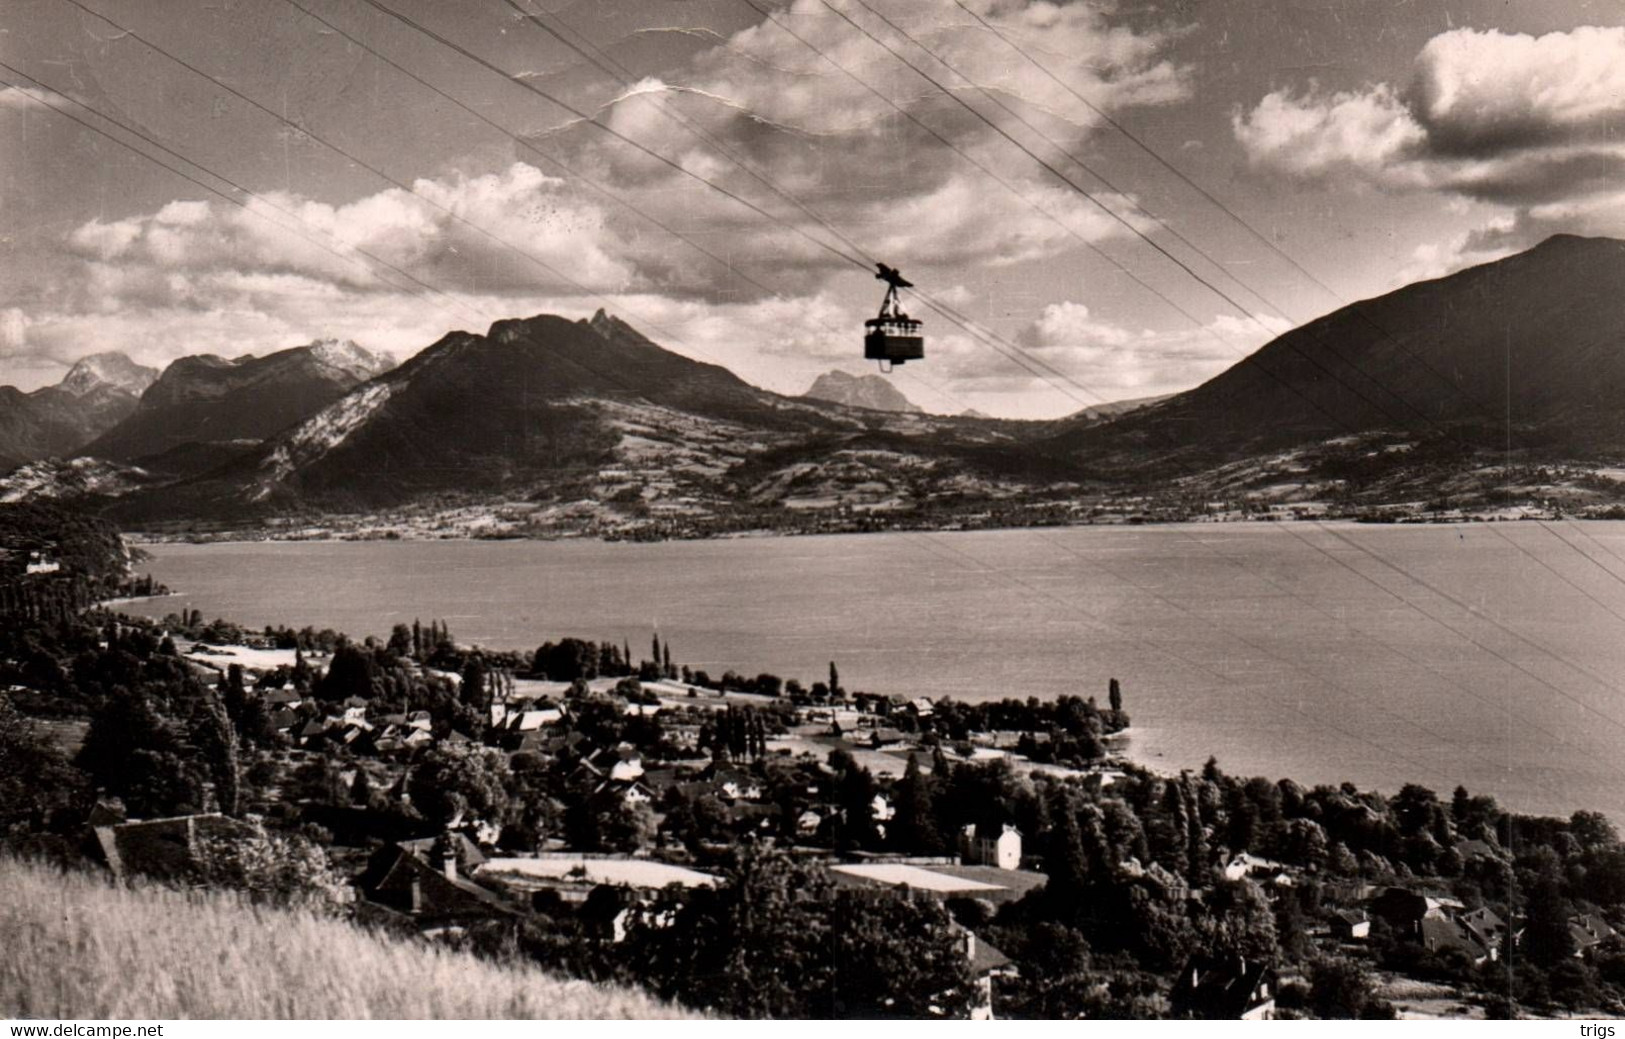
<point x="79" y="946"/>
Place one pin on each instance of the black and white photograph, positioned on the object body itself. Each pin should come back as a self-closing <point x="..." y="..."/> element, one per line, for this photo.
<point x="926" y="510"/>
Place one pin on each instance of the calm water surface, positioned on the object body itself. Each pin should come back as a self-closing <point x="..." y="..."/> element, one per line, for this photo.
<point x="1490" y="654"/>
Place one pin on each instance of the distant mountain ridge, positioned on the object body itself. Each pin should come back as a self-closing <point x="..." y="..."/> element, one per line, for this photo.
<point x="98" y="392"/>
<point x="875" y="392"/>
<point x="1530" y="347"/>
<point x="204" y="400"/>
<point x="1433" y="395"/>
<point x="575" y="422"/>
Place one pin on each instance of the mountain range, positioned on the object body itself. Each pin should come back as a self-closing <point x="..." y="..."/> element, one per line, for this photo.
<point x="1498" y="384"/>
<point x="204" y="409"/>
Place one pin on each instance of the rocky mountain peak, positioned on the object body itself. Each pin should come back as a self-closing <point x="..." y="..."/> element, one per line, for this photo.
<point x="861" y="391"/>
<point x="111" y="369"/>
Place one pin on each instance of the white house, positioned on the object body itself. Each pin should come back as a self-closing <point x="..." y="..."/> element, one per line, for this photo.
<point x="40" y="563"/>
<point x="982" y="847"/>
<point x="1243" y="864"/>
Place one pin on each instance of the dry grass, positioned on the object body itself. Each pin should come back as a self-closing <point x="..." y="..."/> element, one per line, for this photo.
<point x="76" y="946"/>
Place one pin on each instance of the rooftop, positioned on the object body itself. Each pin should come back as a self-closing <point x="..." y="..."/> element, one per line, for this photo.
<point x="639" y="873"/>
<point x="892" y="874"/>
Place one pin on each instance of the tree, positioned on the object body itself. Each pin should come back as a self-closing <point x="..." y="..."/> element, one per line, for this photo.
<point x="350" y="673"/>
<point x="1340" y="989"/>
<point x="834" y="681"/>
<point x="1593" y="831"/>
<point x="216" y="739"/>
<point x="1460" y="804"/>
<point x="855" y="794"/>
<point x="279" y="869"/>
<point x="1546" y="938"/>
<point x="566" y="660"/>
<point x="234" y="695"/>
<point x="1067" y="862"/>
<point x="400" y="641"/>
<point x="475" y="682"/>
<point x="899" y="958"/>
<point x="914" y="828"/>
<point x="622" y="826"/>
<point x="1055" y="977"/>
<point x="1114" y="693"/>
<point x="775" y="940"/>
<point x="37" y="783"/>
<point x="697" y="819"/>
<point x="1238" y="920"/>
<point x="449" y="784"/>
<point x="361" y="789"/>
<point x="1414" y="808"/>
<point x="131" y="752"/>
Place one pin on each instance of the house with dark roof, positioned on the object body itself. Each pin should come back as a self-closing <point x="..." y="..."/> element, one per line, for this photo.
<point x="1442" y="933"/>
<point x="660" y="780"/>
<point x="107" y="811"/>
<point x="748" y="815"/>
<point x="1405" y="910"/>
<point x="286" y="697"/>
<point x="1476" y="849"/>
<point x="1351" y="925"/>
<point x="986" y="964"/>
<point x="164" y="849"/>
<point x="425" y="881"/>
<point x="1226" y="988"/>
<point x="468" y="854"/>
<point x="627" y="791"/>
<point x="1487" y="927"/>
<point x="1589" y="931"/>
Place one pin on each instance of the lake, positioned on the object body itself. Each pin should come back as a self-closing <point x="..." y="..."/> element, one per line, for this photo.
<point x="1490" y="655"/>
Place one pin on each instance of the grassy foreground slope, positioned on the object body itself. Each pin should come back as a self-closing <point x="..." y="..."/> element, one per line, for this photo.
<point x="76" y="946"/>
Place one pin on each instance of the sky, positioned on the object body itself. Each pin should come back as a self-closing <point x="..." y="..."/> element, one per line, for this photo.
<point x="1097" y="200"/>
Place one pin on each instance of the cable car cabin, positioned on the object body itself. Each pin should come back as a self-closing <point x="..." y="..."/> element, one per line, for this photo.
<point x="892" y="337"/>
<point x="893" y="340"/>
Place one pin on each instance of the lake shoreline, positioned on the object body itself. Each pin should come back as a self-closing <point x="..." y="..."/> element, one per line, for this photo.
<point x="1280" y="651"/>
<point x="251" y="537"/>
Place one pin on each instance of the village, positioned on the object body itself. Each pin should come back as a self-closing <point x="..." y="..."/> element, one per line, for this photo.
<point x="622" y="787"/>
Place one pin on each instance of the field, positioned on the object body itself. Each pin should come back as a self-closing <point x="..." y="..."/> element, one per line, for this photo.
<point x="77" y="946"/>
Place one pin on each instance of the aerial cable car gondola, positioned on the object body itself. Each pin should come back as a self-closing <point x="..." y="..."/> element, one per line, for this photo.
<point x="893" y="337"/>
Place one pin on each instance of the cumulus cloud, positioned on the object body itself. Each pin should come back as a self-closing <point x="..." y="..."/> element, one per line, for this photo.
<point x="1314" y="134"/>
<point x="492" y="233"/>
<point x="850" y="137"/>
<point x="1508" y="119"/>
<point x="1100" y="360"/>
<point x="755" y="112"/>
<point x="1492" y="93"/>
